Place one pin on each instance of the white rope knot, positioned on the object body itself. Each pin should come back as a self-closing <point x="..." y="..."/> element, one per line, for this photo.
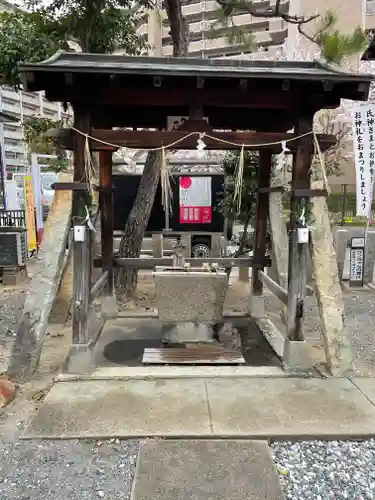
<point x="88" y="220"/>
<point x="165" y="181"/>
<point x="238" y="179"/>
<point x="200" y="143"/>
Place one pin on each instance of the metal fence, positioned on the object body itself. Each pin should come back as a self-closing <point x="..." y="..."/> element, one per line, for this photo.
<point x="12" y="218"/>
<point x="342" y="206"/>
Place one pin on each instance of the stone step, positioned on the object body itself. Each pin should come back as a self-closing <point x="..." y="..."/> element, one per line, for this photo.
<point x="205" y="469"/>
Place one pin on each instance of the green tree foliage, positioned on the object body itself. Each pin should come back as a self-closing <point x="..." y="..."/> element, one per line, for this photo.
<point x="34" y="130"/>
<point x="101" y="26"/>
<point x="24" y="36"/>
<point x="227" y="204"/>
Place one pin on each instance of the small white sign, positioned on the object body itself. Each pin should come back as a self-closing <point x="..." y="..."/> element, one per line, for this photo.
<point x="356" y="264"/>
<point x="303" y="234"/>
<point x="358" y="242"/>
<point x="79" y="233"/>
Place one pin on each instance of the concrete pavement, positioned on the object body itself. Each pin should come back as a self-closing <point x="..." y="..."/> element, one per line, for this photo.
<point x="285" y="407"/>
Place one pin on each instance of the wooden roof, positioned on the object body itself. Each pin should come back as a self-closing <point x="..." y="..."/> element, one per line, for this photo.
<point x="234" y="94"/>
<point x="78" y="62"/>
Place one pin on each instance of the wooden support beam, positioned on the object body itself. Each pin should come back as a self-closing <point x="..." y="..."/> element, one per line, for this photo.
<point x="82" y="265"/>
<point x="82" y="121"/>
<point x="82" y="262"/>
<point x="274" y="287"/>
<point x="147" y="263"/>
<point x="297" y="258"/>
<point x="70" y="186"/>
<point x="308" y="193"/>
<point x="262" y="210"/>
<point x="278" y="291"/>
<point x="178" y="96"/>
<point x="271" y="189"/>
<point x="150" y="139"/>
<point x="98" y="286"/>
<point x="107" y="217"/>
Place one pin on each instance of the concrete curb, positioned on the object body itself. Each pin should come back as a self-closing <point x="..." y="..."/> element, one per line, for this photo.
<point x="271" y="437"/>
<point x="175" y="372"/>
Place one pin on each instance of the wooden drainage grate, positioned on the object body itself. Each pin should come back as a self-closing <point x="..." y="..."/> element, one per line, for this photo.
<point x="192" y="355"/>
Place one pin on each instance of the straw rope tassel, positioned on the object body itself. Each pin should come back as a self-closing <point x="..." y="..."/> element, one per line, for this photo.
<point x="89" y="166"/>
<point x="239" y="179"/>
<point x="321" y="163"/>
<point x="166" y="191"/>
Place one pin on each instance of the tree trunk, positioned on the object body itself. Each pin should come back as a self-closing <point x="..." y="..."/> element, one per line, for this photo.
<point x="241" y="247"/>
<point x="131" y="241"/>
<point x="178" y="31"/>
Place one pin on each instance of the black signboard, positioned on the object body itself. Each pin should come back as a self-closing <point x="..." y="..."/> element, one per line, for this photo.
<point x="125" y="191"/>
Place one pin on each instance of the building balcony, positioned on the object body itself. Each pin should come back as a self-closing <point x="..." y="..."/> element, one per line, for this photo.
<point x="13" y="135"/>
<point x="220" y="44"/>
<point x="11" y="108"/>
<point x="370" y="7"/>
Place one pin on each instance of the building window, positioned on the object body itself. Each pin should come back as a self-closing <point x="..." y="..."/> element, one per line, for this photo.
<point x="11" y="128"/>
<point x="12" y="155"/>
<point x="11" y="102"/>
<point x="11" y="144"/>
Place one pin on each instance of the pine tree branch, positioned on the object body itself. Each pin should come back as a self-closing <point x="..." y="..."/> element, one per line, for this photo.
<point x="230" y="6"/>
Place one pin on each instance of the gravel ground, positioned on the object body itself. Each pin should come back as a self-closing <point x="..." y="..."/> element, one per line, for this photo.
<point x="360" y="312"/>
<point x="333" y="470"/>
<point x="360" y="318"/>
<point x="74" y="470"/>
<point x="11" y="304"/>
<point x="84" y="470"/>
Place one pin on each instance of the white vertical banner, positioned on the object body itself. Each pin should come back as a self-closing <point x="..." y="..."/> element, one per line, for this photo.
<point x="364" y="154"/>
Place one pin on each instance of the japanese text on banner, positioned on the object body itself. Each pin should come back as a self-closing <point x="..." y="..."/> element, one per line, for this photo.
<point x="30" y="213"/>
<point x="364" y="153"/>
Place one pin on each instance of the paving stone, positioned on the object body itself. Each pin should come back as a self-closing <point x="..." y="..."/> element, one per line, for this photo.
<point x="113" y="408"/>
<point x="205" y="470"/>
<point x="289" y="407"/>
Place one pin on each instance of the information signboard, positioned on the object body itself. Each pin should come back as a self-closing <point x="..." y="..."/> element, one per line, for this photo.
<point x="195" y="200"/>
<point x="357" y="261"/>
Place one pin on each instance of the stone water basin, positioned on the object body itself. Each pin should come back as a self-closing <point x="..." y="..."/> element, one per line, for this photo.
<point x="190" y="295"/>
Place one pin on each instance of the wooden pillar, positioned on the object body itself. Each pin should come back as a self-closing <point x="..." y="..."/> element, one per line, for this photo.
<point x="107" y="217"/>
<point x="81" y="234"/>
<point x="297" y="252"/>
<point x="262" y="210"/>
<point x="82" y="122"/>
<point x="82" y="266"/>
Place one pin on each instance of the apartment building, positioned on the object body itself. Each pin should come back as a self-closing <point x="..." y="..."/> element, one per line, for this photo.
<point x="21" y="105"/>
<point x="271" y="35"/>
